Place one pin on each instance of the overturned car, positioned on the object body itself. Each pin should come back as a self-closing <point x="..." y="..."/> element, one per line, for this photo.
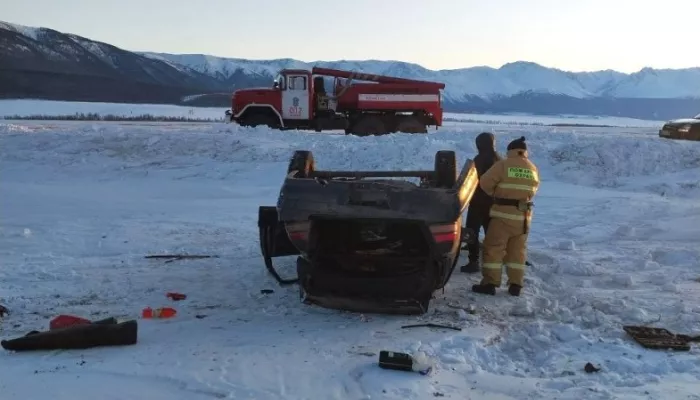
<point x="368" y="244"/>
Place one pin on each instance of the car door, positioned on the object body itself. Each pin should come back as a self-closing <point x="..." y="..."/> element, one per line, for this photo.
<point x="295" y="98"/>
<point x="467" y="183"/>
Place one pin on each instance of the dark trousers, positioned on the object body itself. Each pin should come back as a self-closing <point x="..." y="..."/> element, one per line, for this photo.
<point x="477" y="218"/>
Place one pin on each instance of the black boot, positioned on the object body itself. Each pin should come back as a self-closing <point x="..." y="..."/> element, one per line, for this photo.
<point x="514" y="289"/>
<point x="487" y="288"/>
<point x="470" y="268"/>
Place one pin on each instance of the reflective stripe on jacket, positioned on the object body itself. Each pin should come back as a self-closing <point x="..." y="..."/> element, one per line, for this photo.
<point x="514" y="177"/>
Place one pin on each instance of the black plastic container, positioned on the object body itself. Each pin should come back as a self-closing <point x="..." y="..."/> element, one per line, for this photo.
<point x="395" y="360"/>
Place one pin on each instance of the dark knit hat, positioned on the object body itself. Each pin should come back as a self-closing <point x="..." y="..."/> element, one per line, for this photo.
<point x="518" y="144"/>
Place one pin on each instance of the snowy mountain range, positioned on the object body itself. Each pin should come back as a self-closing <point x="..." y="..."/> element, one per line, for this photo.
<point x="44" y="63"/>
<point x="484" y="82"/>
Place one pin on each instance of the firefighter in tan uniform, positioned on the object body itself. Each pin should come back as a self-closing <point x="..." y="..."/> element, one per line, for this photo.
<point x="512" y="182"/>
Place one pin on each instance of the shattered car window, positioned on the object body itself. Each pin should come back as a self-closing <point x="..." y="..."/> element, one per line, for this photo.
<point x="377" y="234"/>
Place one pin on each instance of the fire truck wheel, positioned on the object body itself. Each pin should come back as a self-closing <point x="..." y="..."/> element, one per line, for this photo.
<point x="258" y="118"/>
<point x="369" y="125"/>
<point x="411" y="125"/>
<point x="445" y="169"/>
<point x="303" y="162"/>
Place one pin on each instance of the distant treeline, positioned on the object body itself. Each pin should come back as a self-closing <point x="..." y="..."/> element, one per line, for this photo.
<point x="525" y="123"/>
<point x="155" y="118"/>
<point x="111" y="117"/>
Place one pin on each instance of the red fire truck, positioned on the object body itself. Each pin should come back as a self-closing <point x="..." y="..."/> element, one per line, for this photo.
<point x="380" y="105"/>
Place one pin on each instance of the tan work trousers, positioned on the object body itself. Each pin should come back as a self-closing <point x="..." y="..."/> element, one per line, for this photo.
<point x="505" y="243"/>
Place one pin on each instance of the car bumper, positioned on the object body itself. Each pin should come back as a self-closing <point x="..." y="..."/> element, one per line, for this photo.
<point x="665" y="132"/>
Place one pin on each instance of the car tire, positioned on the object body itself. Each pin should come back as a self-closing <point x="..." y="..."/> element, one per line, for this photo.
<point x="445" y="169"/>
<point x="303" y="163"/>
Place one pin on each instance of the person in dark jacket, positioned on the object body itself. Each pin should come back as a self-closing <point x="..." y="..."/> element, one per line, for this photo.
<point x="478" y="211"/>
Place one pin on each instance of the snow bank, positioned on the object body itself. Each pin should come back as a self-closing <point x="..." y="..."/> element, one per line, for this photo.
<point x="611" y="161"/>
<point x="584" y="156"/>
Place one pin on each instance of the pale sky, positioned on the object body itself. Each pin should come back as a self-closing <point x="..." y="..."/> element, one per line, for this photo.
<point x="574" y="35"/>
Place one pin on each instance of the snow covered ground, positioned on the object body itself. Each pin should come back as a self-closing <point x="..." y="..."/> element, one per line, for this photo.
<point x="23" y="108"/>
<point x="615" y="241"/>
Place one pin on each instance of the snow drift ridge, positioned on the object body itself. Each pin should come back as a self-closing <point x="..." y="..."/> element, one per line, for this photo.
<point x="578" y="156"/>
